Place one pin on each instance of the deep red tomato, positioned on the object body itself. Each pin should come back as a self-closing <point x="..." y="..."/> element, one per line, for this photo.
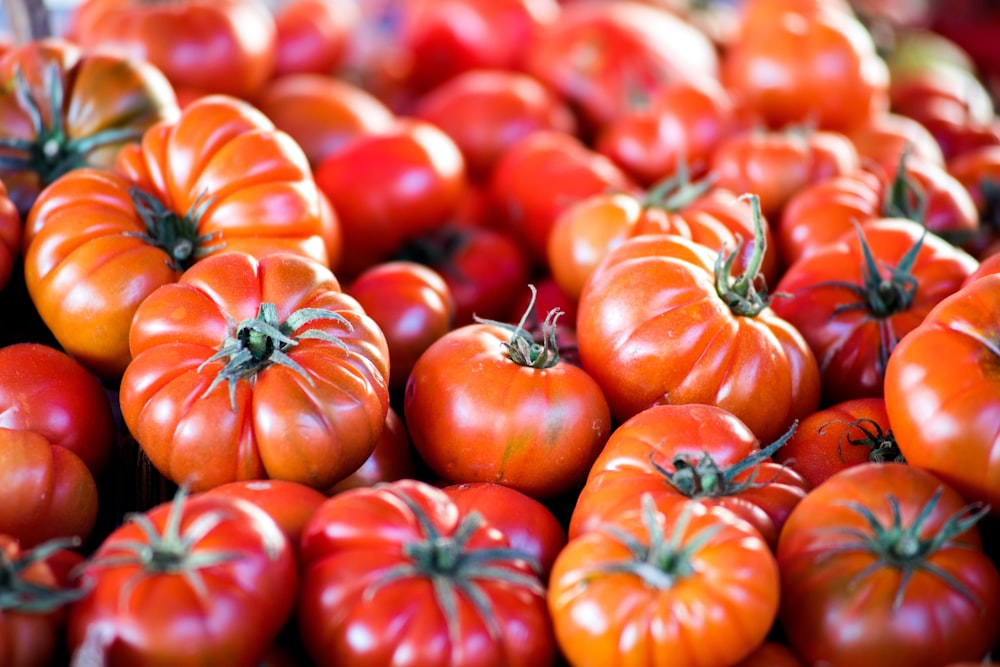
<point x="202" y="562"/>
<point x="882" y="564"/>
<point x="979" y="171"/>
<point x="413" y="306"/>
<point x="771" y="654"/>
<point x="397" y="573"/>
<point x="311" y="35"/>
<point x="691" y="584"/>
<point x="942" y="391"/>
<point x="251" y="369"/>
<point x="62" y="108"/>
<point x="11" y="228"/>
<point x="855" y="298"/>
<point x="390" y="187"/>
<point x="43" y="389"/>
<point x="885" y="137"/>
<point x="203" y="46"/>
<point x="391" y="460"/>
<point x="680" y="452"/>
<point x="46" y="491"/>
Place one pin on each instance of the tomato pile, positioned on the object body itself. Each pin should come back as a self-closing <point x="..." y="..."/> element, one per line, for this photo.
<point x="501" y="333"/>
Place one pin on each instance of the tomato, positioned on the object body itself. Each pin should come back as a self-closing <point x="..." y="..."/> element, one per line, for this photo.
<point x="389" y="188"/>
<point x="839" y="436"/>
<point x="680" y="452"/>
<point x="398" y="573"/>
<point x="942" y="391"/>
<point x="99" y="241"/>
<point x="486" y="111"/>
<point x="855" y="298"/>
<point x="882" y="564"/>
<point x="311" y="35"/>
<point x="10" y="236"/>
<point x="46" y="491"/>
<point x="202" y="46"/>
<point x="62" y="108"/>
<point x="206" y="579"/>
<point x="530" y="526"/>
<point x="815" y="67"/>
<point x="322" y="113"/>
<point x="886" y="137"/>
<point x="979" y="171"/>
<point x="43" y="389"/>
<point x="391" y="460"/>
<point x="35" y="594"/>
<point x="685" y="331"/>
<point x="688" y="585"/>
<point x="488" y="403"/>
<point x="771" y="654"/>
<point x="250" y="369"/>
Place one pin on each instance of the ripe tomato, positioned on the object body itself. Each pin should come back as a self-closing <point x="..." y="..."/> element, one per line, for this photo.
<point x="10" y="236"/>
<point x="693" y="584"/>
<point x="398" y="573"/>
<point x="311" y="35"/>
<point x="250" y="369"/>
<point x="942" y="391"/>
<point x="885" y="138"/>
<point x="99" y="241"/>
<point x="391" y="460"/>
<point x="882" y="564"/>
<point x="680" y="452"/>
<point x="202" y="46"/>
<point x="979" y="171"/>
<point x="488" y="403"/>
<point x="62" y="108"/>
<point x="46" y="491"/>
<point x="206" y="579"/>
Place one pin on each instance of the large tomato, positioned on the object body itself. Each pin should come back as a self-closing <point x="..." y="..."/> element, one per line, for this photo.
<point x="202" y="46"/>
<point x="397" y="574"/>
<point x="62" y="108"/>
<point x="942" y="391"/>
<point x="99" y="241"/>
<point x="689" y="585"/>
<point x="248" y="369"/>
<point x="657" y="328"/>
<point x="205" y="580"/>
<point x="882" y="564"/>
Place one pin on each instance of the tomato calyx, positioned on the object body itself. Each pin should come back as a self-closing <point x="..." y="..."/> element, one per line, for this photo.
<point x="456" y="570"/>
<point x="741" y="293"/>
<point x="175" y="235"/>
<point x="521" y="347"/>
<point x="51" y="153"/>
<point x="676" y="192"/>
<point x="901" y="548"/>
<point x="702" y="477"/>
<point x="661" y="562"/>
<point x="20" y="595"/>
<point x="263" y="340"/>
<point x="906" y="199"/>
<point x="882" y="444"/>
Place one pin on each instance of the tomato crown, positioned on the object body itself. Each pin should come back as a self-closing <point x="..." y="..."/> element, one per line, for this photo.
<point x="18" y="594"/>
<point x="742" y="294"/>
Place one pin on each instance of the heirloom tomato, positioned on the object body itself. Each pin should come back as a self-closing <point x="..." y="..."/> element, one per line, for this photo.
<point x="689" y="585"/>
<point x="391" y="460"/>
<point x="887" y="137"/>
<point x="62" y="108"/>
<point x="249" y="369"/>
<point x="942" y="391"/>
<point x="219" y="178"/>
<point x="207" y="580"/>
<point x="882" y="564"/>
<point x="661" y="328"/>
<point x="397" y="574"/>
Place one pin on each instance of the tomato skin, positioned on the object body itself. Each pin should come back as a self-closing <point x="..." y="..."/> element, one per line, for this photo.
<point x="476" y="415"/>
<point x="711" y="616"/>
<point x="314" y="426"/>
<point x="771" y="654"/>
<point x="838" y="597"/>
<point x="979" y="171"/>
<point x="46" y="490"/>
<point x="10" y="235"/>
<point x="953" y="353"/>
<point x="350" y="613"/>
<point x="43" y="389"/>
<point x="391" y="460"/>
<point x="138" y="615"/>
<point x="886" y="136"/>
<point x="311" y="35"/>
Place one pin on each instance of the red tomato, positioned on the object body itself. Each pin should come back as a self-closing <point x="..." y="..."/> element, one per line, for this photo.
<point x="311" y="35"/>
<point x="886" y="137"/>
<point x="202" y="562"/>
<point x="771" y="654"/>
<point x="979" y="171"/>
<point x="391" y="460"/>
<point x="397" y="573"/>
<point x="10" y="236"/>
<point x="251" y="369"/>
<point x="882" y="564"/>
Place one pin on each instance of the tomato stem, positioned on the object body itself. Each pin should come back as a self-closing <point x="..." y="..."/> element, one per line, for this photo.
<point x="19" y="595"/>
<point x="741" y="294"/>
<point x="521" y="347"/>
<point x="882" y="444"/>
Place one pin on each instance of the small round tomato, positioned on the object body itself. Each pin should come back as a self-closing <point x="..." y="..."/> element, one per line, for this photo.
<point x="311" y="35"/>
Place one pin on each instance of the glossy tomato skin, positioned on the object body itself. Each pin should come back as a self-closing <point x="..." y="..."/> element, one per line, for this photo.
<point x="607" y="616"/>
<point x="476" y="415"/>
<point x="311" y="35"/>
<point x="313" y="422"/>
<point x="847" y="605"/>
<point x="942" y="391"/>
<point x="10" y="235"/>
<point x="138" y="615"/>
<point x="363" y="603"/>
<point x="43" y="389"/>
<point x="391" y="460"/>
